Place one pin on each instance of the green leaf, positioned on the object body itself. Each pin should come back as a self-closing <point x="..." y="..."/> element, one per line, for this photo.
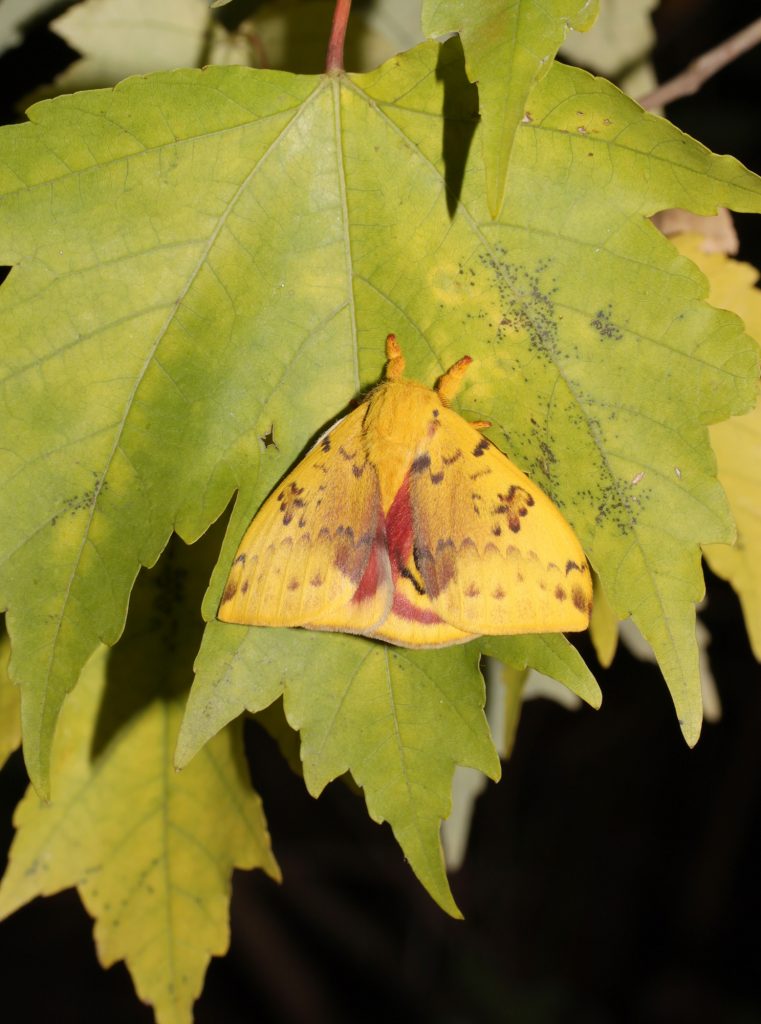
<point x="150" y="850"/>
<point x="398" y="720"/>
<point x="202" y="256"/>
<point x="508" y="45"/>
<point x="549" y="653"/>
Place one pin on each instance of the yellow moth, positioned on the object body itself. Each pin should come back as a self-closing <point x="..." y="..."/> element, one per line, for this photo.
<point x="405" y="524"/>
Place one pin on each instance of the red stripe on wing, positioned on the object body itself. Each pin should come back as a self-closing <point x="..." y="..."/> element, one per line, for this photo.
<point x="399" y="536"/>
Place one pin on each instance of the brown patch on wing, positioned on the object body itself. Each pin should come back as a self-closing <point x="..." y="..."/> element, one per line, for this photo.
<point x="351" y="557"/>
<point x="438" y="568"/>
<point x="513" y="505"/>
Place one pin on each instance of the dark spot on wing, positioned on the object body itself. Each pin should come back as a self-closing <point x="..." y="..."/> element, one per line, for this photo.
<point x="405" y="572"/>
<point x="436" y="478"/>
<point x="569" y="565"/>
<point x="449" y="459"/>
<point x="351" y="557"/>
<point x="498" y="594"/>
<point x="416" y="556"/>
<point x="560" y="593"/>
<point x="293" y="583"/>
<point x="579" y="599"/>
<point x="230" y="592"/>
<point x="316" y="580"/>
<point x="421" y="463"/>
<point x="244" y="587"/>
<point x="241" y="559"/>
<point x="325" y="443"/>
<point x="514" y="505"/>
<point x="481" y="447"/>
<point x="291" y="501"/>
<point x="472" y="590"/>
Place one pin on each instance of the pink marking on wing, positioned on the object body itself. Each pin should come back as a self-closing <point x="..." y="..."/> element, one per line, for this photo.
<point x="405" y="609"/>
<point x="399" y="528"/>
<point x="371" y="577"/>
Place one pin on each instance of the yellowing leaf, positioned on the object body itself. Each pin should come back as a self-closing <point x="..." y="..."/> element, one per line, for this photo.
<point x="10" y="707"/>
<point x="150" y="850"/>
<point x="737" y="442"/>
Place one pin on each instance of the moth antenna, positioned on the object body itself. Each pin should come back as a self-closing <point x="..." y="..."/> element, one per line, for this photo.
<point x="448" y="385"/>
<point x="395" y="364"/>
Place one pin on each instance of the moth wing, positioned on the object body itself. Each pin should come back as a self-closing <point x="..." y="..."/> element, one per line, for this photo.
<point x="494" y="554"/>
<point x="313" y="554"/>
<point x="411" y="621"/>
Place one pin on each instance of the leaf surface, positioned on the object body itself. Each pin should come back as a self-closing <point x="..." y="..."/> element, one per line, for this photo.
<point x="203" y="257"/>
<point x="398" y="720"/>
<point x="508" y="45"/>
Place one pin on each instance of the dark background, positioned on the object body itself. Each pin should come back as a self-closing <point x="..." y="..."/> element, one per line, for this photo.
<point x="613" y="874"/>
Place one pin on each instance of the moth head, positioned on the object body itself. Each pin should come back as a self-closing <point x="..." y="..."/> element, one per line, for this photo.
<point x="446" y="386"/>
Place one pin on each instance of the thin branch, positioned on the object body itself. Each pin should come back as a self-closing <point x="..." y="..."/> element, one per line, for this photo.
<point x="335" y="60"/>
<point x="699" y="71"/>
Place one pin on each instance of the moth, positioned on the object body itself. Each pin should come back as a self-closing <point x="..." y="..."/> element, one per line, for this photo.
<point x="405" y="524"/>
